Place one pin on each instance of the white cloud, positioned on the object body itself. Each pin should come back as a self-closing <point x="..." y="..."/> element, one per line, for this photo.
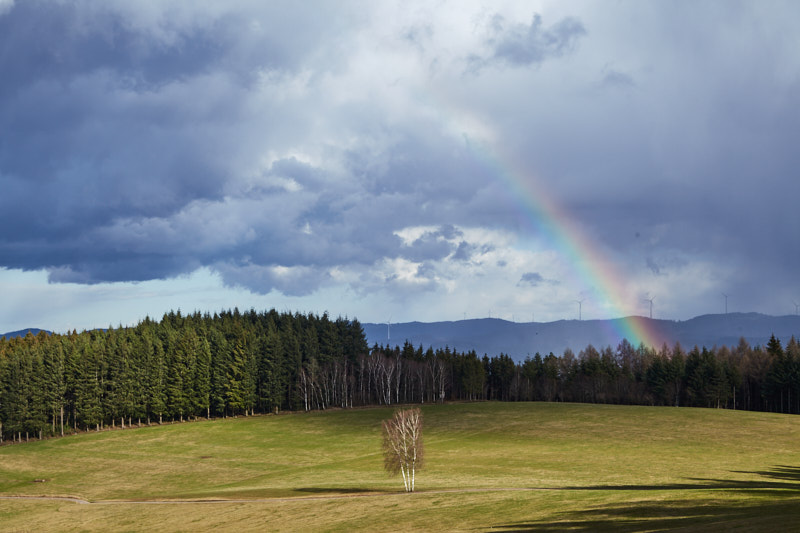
<point x="6" y="6"/>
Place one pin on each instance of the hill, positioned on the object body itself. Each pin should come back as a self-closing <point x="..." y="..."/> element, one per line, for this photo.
<point x="493" y="336"/>
<point x="23" y="332"/>
<point x="499" y="466"/>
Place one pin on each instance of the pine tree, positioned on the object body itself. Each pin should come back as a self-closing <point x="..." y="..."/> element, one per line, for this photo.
<point x="220" y="355"/>
<point x="202" y="379"/>
<point x="54" y="382"/>
<point x="235" y="385"/>
<point x="89" y="381"/>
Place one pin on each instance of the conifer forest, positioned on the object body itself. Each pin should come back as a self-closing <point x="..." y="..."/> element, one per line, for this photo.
<point x="234" y="363"/>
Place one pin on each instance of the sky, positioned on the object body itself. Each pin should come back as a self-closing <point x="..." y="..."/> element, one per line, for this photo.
<point x="397" y="161"/>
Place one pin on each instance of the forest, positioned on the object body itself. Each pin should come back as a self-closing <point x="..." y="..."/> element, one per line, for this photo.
<point x="240" y="363"/>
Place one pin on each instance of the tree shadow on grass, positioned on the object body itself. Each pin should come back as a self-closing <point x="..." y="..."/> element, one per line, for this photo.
<point x="671" y="515"/>
<point x="783" y="472"/>
<point x="765" y="505"/>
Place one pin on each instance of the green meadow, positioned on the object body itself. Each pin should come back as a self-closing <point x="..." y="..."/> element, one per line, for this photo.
<point x="489" y="466"/>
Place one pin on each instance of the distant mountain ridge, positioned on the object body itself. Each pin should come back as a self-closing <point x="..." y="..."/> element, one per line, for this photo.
<point x="23" y="332"/>
<point x="493" y="336"/>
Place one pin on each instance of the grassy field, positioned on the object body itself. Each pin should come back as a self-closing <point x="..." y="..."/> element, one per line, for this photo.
<point x="490" y="466"/>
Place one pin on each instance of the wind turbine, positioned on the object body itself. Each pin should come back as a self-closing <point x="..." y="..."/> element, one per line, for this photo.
<point x="580" y="306"/>
<point x="389" y="329"/>
<point x="726" y="302"/>
<point x="796" y="308"/>
<point x="651" y="304"/>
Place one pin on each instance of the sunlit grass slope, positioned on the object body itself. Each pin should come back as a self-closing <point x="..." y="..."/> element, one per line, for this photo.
<point x="581" y="467"/>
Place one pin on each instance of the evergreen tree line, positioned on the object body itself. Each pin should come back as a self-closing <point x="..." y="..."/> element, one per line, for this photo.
<point x="181" y="367"/>
<point x="741" y="377"/>
<point x="233" y="363"/>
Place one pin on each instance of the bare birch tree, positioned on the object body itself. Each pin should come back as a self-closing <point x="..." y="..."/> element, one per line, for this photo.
<point x="402" y="445"/>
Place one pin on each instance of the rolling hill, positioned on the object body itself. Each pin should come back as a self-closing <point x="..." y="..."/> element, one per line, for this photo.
<point x="493" y="336"/>
<point x="517" y="466"/>
<point x="23" y="332"/>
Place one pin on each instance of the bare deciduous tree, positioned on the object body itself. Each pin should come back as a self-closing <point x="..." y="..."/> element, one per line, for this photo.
<point x="402" y="445"/>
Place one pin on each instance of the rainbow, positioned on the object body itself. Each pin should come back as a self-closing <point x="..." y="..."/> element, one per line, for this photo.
<point x="590" y="265"/>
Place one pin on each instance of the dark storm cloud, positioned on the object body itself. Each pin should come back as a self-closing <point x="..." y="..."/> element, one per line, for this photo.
<point x="432" y="245"/>
<point x="263" y="279"/>
<point x="530" y="44"/>
<point x="530" y="278"/>
<point x="653" y="266"/>
<point x="426" y="271"/>
<point x="138" y="136"/>
<point x="59" y="41"/>
<point x="128" y="125"/>
<point x="280" y="144"/>
<point x="615" y="78"/>
<point x="303" y="173"/>
<point x="464" y="251"/>
<point x="686" y="142"/>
